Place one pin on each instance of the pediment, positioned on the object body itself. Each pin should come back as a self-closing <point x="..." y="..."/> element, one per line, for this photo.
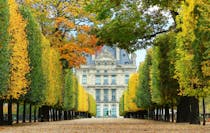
<point x="105" y="55"/>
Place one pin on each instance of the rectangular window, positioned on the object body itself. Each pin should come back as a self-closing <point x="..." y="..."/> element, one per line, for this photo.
<point x="113" y="94"/>
<point x="98" y="95"/>
<point x="106" y="80"/>
<point x="113" y="79"/>
<point x="126" y="79"/>
<point x="98" y="79"/>
<point x="84" y="79"/>
<point x="105" y="95"/>
<point x="113" y="111"/>
<point x="98" y="110"/>
<point x="106" y="111"/>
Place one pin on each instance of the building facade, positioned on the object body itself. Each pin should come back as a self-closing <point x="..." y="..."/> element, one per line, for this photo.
<point x="105" y="76"/>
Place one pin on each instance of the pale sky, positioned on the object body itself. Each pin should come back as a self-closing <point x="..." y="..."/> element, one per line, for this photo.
<point x="140" y="56"/>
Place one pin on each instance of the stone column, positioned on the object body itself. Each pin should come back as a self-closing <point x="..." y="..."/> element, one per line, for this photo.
<point x="117" y="53"/>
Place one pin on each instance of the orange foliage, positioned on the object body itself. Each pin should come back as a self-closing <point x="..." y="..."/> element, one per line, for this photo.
<point x="74" y="51"/>
<point x="67" y="28"/>
<point x="64" y="22"/>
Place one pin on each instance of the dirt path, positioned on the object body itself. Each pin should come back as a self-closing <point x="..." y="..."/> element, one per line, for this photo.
<point x="105" y="126"/>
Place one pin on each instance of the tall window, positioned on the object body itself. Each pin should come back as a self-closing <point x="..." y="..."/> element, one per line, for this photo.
<point x="113" y="111"/>
<point x="106" y="80"/>
<point x="98" y="95"/>
<point x="84" y="79"/>
<point x="126" y="79"/>
<point x="113" y="79"/>
<point x="98" y="79"/>
<point x="98" y="110"/>
<point x="113" y="94"/>
<point x="106" y="110"/>
<point x="105" y="95"/>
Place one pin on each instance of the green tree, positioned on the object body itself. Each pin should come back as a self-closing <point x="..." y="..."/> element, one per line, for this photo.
<point x="34" y="36"/>
<point x="156" y="94"/>
<point x="4" y="49"/>
<point x="143" y="92"/>
<point x="128" y="24"/>
<point x="69" y="95"/>
<point x="91" y="105"/>
<point x="163" y="85"/>
<point x="121" y="106"/>
<point x="4" y="52"/>
<point x="192" y="42"/>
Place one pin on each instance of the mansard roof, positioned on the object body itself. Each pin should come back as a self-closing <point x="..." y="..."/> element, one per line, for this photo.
<point x="110" y="53"/>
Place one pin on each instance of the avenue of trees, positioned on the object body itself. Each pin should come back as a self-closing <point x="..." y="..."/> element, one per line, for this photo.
<point x="43" y="41"/>
<point x="159" y="84"/>
<point x="175" y="73"/>
<point x="34" y="72"/>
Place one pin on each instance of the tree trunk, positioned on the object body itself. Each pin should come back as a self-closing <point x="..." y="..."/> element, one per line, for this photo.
<point x="194" y="117"/>
<point x="204" y="112"/>
<point x="53" y="110"/>
<point x="51" y="114"/>
<point x="56" y="114"/>
<point x="34" y="113"/>
<point x="167" y="116"/>
<point x="183" y="110"/>
<point x="172" y="115"/>
<point x="151" y="113"/>
<point x="59" y="114"/>
<point x="44" y="113"/>
<point x="73" y="114"/>
<point x="24" y="111"/>
<point x="1" y="110"/>
<point x="69" y="114"/>
<point x="30" y="106"/>
<point x="65" y="115"/>
<point x="163" y="113"/>
<point x="39" y="114"/>
<point x="10" y="112"/>
<point x="157" y="113"/>
<point x="17" y="112"/>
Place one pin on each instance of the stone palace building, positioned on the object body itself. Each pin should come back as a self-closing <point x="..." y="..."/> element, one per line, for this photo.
<point x="105" y="76"/>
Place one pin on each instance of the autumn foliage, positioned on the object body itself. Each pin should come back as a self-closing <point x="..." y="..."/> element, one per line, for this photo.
<point x="127" y="100"/>
<point x="68" y="29"/>
<point x="32" y="68"/>
<point x="18" y="83"/>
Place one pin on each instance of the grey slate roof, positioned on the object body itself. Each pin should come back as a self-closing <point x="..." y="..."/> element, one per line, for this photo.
<point x="124" y="56"/>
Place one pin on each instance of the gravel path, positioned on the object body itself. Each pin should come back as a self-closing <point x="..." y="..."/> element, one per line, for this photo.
<point x="107" y="125"/>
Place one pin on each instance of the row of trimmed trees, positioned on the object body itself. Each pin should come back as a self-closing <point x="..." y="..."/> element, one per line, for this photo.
<point x="176" y="73"/>
<point x="128" y="108"/>
<point x="172" y="76"/>
<point x="31" y="71"/>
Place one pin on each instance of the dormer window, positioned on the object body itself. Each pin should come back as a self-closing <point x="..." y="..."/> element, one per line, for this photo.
<point x="126" y="62"/>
